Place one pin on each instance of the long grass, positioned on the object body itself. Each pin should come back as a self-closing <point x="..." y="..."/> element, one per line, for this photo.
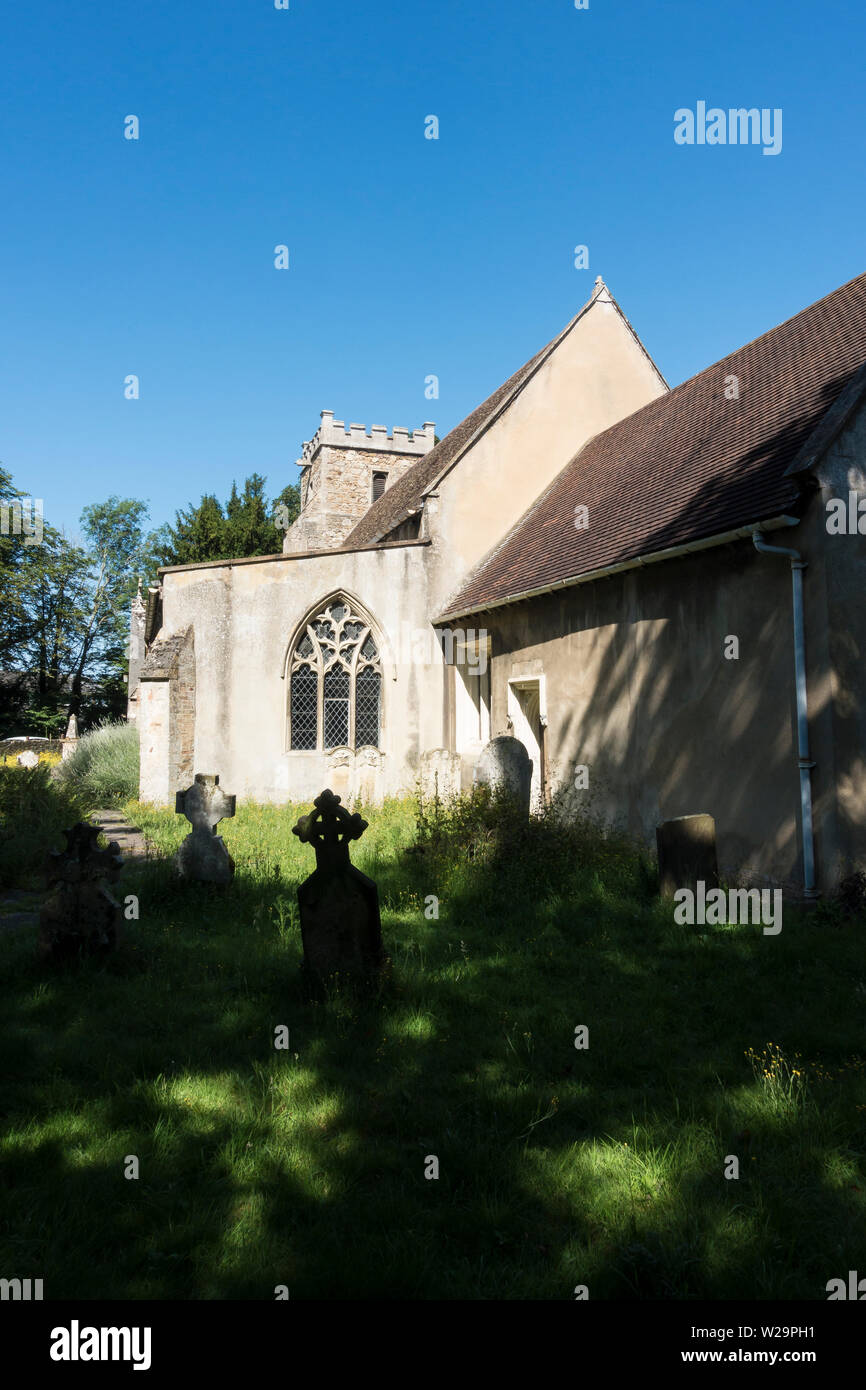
<point x="34" y="812"/>
<point x="104" y="768"/>
<point x="557" y="1166"/>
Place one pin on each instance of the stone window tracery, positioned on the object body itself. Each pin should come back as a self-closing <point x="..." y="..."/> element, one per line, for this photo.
<point x="335" y="682"/>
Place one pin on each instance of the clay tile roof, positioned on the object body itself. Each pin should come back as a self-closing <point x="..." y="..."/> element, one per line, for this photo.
<point x="691" y="464"/>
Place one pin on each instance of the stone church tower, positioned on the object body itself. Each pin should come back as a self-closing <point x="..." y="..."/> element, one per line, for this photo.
<point x="343" y="472"/>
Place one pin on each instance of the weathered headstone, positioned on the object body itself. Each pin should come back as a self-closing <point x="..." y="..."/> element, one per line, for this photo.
<point x="687" y="853"/>
<point x="505" y="763"/>
<point x="28" y="759"/>
<point x="203" y="855"/>
<point x="339" y="906"/>
<point x="80" y="915"/>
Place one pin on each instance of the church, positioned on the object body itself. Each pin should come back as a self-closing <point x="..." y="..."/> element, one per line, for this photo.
<point x="650" y="588"/>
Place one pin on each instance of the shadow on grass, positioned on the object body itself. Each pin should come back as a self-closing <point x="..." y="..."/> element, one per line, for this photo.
<point x="557" y="1167"/>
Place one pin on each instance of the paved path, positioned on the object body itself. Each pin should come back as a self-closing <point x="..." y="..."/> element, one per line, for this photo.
<point x="21" y="909"/>
<point x="115" y="826"/>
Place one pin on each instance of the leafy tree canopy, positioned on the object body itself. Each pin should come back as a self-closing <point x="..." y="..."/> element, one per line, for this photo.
<point x="246" y="525"/>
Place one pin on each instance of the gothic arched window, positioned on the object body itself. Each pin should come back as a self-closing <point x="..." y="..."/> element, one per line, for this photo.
<point x="335" y="682"/>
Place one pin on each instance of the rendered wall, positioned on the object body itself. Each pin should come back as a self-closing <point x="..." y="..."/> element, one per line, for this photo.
<point x="639" y="691"/>
<point x="244" y="616"/>
<point x="597" y="375"/>
<point x="843" y="557"/>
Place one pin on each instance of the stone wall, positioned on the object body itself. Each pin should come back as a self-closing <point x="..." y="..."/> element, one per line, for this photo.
<point x="167" y="717"/>
<point x="337" y="478"/>
<point x="183" y="701"/>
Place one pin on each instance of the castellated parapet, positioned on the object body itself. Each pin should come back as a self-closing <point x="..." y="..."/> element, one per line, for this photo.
<point x="343" y="471"/>
<point x="334" y="432"/>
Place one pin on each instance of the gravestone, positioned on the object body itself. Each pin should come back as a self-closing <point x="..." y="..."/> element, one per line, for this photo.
<point x="339" y="906"/>
<point x="80" y="915"/>
<point x="28" y="759"/>
<point x="203" y="855"/>
<point x="505" y="763"/>
<point x="687" y="853"/>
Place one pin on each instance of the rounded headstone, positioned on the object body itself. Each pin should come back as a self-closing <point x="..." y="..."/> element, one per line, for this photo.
<point x="28" y="759"/>
<point x="687" y="853"/>
<point x="505" y="763"/>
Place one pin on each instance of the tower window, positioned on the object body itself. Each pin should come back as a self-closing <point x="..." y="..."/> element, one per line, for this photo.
<point x="379" y="481"/>
<point x="335" y="683"/>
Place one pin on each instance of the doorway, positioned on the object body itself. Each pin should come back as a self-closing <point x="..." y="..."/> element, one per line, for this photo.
<point x="527" y="715"/>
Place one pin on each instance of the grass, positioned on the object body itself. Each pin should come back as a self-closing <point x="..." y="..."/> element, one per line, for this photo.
<point x="34" y="812"/>
<point x="601" y="1166"/>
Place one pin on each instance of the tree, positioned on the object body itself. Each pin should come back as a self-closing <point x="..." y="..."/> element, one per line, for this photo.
<point x="249" y="531"/>
<point x="247" y="525"/>
<point x="68" y="608"/>
<point x="198" y="534"/>
<point x="117" y="553"/>
<point x="286" y="506"/>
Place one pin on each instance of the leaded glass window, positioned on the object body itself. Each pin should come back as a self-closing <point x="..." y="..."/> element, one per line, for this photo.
<point x="335" y="682"/>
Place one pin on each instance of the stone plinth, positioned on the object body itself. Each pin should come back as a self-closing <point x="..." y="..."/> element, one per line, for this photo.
<point x="69" y="742"/>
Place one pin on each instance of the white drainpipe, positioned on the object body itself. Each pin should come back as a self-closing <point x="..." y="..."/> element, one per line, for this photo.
<point x="798" y="564"/>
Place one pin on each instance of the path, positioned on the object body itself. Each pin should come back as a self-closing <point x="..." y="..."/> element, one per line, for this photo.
<point x="19" y="908"/>
<point x="115" y="826"/>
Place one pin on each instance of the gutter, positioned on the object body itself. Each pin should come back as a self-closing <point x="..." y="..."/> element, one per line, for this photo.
<point x="286" y="555"/>
<point x="651" y="558"/>
<point x="798" y="564"/>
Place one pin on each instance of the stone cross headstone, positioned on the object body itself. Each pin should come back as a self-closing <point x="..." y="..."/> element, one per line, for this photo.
<point x="203" y="855"/>
<point x="80" y="915"/>
<point x="687" y="853"/>
<point x="505" y="763"/>
<point x="28" y="759"/>
<point x="339" y="906"/>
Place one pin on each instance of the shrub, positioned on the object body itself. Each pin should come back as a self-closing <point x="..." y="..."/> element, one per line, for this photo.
<point x="104" y="767"/>
<point x="34" y="812"/>
<point x="548" y="852"/>
<point x="852" y="894"/>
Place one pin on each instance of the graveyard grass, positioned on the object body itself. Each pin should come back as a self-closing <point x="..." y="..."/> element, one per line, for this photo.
<point x="558" y="1167"/>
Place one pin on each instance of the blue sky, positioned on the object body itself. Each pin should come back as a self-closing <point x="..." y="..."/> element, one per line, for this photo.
<point x="408" y="256"/>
